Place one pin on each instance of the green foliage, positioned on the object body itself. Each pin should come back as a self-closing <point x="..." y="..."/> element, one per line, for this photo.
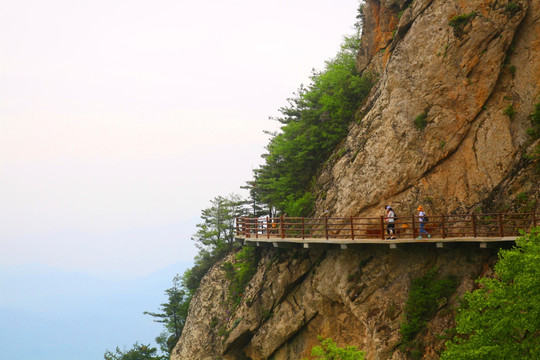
<point x="257" y="209"/>
<point x="215" y="237"/>
<point x="217" y="229"/>
<point x="509" y="111"/>
<point x="359" y="17"/>
<point x="240" y="273"/>
<point x="458" y="22"/>
<point x="301" y="206"/>
<point x="425" y="297"/>
<point x="501" y="320"/>
<point x="462" y="19"/>
<point x="328" y="350"/>
<point x="421" y="121"/>
<point x="173" y="315"/>
<point x="534" y="132"/>
<point x="138" y="352"/>
<point x="313" y="124"/>
<point x="266" y="314"/>
<point x="512" y="8"/>
<point x="512" y="69"/>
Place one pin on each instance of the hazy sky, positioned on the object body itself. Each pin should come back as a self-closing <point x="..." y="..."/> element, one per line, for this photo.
<point x="121" y="119"/>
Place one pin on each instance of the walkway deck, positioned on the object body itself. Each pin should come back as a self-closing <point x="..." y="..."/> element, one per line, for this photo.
<point x="483" y="229"/>
<point x="483" y="242"/>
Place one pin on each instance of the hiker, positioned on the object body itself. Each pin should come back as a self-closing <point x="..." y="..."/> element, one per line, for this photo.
<point x="391" y="227"/>
<point x="422" y="219"/>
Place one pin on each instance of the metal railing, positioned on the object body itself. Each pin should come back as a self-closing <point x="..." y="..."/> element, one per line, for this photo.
<point x="496" y="225"/>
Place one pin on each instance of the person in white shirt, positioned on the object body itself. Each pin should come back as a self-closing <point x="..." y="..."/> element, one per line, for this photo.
<point x="391" y="226"/>
<point x="421" y="216"/>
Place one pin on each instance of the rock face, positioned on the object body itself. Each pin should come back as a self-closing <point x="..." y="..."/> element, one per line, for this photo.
<point x="466" y="66"/>
<point x="356" y="297"/>
<point x="462" y="78"/>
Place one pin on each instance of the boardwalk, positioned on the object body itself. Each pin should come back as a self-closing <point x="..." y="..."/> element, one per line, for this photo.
<point x="482" y="229"/>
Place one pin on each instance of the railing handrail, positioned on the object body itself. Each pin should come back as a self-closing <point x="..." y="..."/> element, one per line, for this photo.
<point x="440" y="225"/>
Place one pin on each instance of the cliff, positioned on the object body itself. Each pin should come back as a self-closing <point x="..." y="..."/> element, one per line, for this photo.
<point x="355" y="296"/>
<point x="471" y="69"/>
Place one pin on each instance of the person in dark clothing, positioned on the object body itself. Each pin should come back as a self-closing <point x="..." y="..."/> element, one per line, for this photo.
<point x="391" y="223"/>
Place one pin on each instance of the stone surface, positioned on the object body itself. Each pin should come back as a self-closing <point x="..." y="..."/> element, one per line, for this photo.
<point x="355" y="297"/>
<point x="469" y="155"/>
<point x="469" y="148"/>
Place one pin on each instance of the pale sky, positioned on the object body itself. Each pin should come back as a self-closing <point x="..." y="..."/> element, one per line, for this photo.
<point x="120" y="120"/>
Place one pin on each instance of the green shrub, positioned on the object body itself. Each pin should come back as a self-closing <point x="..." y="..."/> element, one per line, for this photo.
<point x="328" y="350"/>
<point x="512" y="69"/>
<point x="509" y="111"/>
<point x="421" y="121"/>
<point x="425" y="296"/>
<point x="500" y="320"/>
<point x="342" y="152"/>
<point x="299" y="207"/>
<point x="240" y="273"/>
<point x="512" y="8"/>
<point x="534" y="132"/>
<point x="458" y="22"/>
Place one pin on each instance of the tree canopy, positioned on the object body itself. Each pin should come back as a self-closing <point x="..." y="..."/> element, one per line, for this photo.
<point x="173" y="315"/>
<point x="501" y="320"/>
<point x="313" y="124"/>
<point x="215" y="236"/>
<point x="138" y="352"/>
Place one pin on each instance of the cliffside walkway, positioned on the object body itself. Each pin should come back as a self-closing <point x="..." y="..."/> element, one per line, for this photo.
<point x="482" y="229"/>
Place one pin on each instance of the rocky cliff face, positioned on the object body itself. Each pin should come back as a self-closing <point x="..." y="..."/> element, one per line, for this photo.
<point x="354" y="296"/>
<point x="464" y="65"/>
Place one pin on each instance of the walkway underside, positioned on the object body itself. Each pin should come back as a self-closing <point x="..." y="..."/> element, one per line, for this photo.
<point x="483" y="242"/>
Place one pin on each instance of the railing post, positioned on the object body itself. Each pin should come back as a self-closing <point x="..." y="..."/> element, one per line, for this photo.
<point x="267" y="228"/>
<point x="534" y="219"/>
<point x="326" y="226"/>
<point x="501" y="227"/>
<point x="256" y="228"/>
<point x="413" y="228"/>
<point x="473" y="224"/>
<point x="382" y="227"/>
<point x="443" y="229"/>
<point x="246" y="227"/>
<point x="303" y="230"/>
<point x="282" y="228"/>
<point x="352" y="228"/>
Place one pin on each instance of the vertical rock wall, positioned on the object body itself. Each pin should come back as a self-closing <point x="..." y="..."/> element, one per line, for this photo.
<point x="462" y="78"/>
<point x="469" y="154"/>
<point x="355" y="297"/>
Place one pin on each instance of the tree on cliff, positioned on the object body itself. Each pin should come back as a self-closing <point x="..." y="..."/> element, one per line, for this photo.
<point x="216" y="232"/>
<point x="138" y="352"/>
<point x="173" y="315"/>
<point x="314" y="123"/>
<point x="501" y="320"/>
<point x="215" y="237"/>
